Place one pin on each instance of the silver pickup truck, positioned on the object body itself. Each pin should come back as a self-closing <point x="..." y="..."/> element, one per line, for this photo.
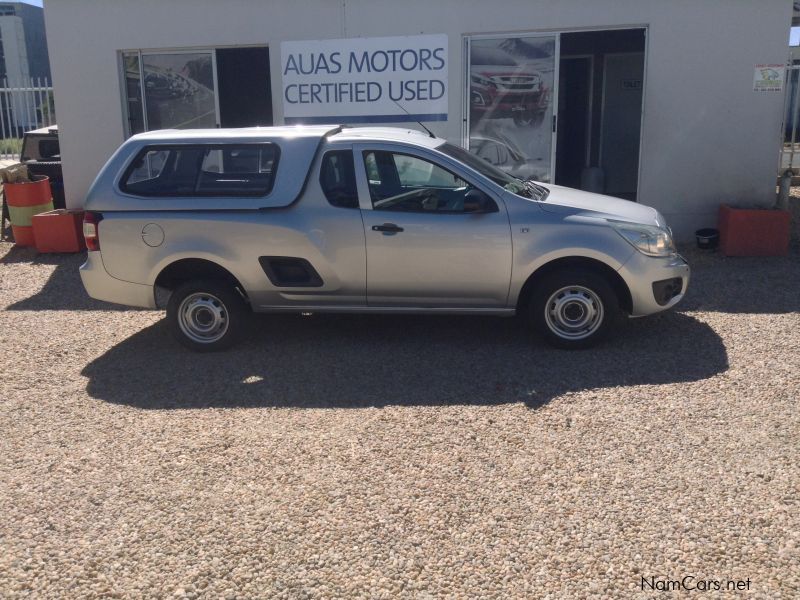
<point x="216" y="224"/>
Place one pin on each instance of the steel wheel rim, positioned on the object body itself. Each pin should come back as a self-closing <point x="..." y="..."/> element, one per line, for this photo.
<point x="574" y="312"/>
<point x="203" y="318"/>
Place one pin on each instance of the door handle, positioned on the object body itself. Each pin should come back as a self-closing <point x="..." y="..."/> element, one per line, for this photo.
<point x="387" y="228"/>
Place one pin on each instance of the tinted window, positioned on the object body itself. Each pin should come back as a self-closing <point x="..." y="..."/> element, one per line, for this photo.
<point x="38" y="147"/>
<point x="402" y="182"/>
<point x="218" y="170"/>
<point x="337" y="177"/>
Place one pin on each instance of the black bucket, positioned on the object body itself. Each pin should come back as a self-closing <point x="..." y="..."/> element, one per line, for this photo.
<point x="707" y="239"/>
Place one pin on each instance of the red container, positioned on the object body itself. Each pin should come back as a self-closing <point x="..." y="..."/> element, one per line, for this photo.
<point x="59" y="231"/>
<point x="26" y="199"/>
<point x="751" y="232"/>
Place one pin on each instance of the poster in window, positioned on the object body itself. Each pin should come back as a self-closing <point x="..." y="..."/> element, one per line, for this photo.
<point x="510" y="103"/>
<point x="179" y="91"/>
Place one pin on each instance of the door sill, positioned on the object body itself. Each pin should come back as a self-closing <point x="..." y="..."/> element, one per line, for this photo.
<point x="500" y="312"/>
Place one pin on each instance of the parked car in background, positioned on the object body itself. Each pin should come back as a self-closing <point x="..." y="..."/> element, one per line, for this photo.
<point x="214" y="224"/>
<point x="500" y="88"/>
<point x="506" y="155"/>
<point x="41" y="153"/>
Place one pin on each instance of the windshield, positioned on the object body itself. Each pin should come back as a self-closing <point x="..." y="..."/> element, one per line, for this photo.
<point x="515" y="185"/>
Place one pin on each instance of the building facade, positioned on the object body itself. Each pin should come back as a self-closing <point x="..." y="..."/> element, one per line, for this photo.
<point x="23" y="43"/>
<point x="23" y="64"/>
<point x="647" y="100"/>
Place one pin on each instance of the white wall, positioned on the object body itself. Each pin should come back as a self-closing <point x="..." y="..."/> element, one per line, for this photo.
<point x="707" y="137"/>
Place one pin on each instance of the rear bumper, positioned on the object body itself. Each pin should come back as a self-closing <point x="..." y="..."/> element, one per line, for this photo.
<point x="640" y="272"/>
<point x="102" y="286"/>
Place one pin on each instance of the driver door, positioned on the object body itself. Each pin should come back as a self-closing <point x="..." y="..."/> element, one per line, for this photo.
<point x="433" y="238"/>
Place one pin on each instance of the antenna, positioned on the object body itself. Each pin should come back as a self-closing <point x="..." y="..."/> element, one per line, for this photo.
<point x="430" y="133"/>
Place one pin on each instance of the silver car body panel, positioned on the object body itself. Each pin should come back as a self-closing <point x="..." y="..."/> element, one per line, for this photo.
<point x="473" y="263"/>
<point x="103" y="286"/>
<point x="458" y="260"/>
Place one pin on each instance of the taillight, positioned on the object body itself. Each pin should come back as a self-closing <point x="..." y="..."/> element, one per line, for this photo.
<point x="91" y="234"/>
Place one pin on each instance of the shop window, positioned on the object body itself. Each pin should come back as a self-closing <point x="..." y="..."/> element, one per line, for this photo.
<point x="511" y="79"/>
<point x="169" y="90"/>
<point x="133" y="92"/>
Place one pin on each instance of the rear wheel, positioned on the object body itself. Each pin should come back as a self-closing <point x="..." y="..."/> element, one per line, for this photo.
<point x="206" y="316"/>
<point x="574" y="309"/>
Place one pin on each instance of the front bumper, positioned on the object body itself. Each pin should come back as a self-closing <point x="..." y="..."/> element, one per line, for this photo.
<point x="640" y="272"/>
<point x="501" y="101"/>
<point x="102" y="286"/>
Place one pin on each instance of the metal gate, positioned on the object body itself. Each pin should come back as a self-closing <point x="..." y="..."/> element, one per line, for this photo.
<point x="790" y="134"/>
<point x="23" y="107"/>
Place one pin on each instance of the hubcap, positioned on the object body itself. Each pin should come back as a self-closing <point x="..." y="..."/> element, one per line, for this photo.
<point x="203" y="318"/>
<point x="574" y="312"/>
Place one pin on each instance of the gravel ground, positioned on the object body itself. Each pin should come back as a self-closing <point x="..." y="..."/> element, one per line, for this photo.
<point x="389" y="457"/>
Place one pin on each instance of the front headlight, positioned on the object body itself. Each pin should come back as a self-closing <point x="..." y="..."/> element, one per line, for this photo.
<point x="481" y="80"/>
<point x="647" y="239"/>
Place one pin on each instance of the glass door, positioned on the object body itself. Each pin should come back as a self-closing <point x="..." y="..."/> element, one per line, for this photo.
<point x="511" y="113"/>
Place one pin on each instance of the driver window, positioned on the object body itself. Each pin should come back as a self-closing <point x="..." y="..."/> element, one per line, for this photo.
<point x="401" y="182"/>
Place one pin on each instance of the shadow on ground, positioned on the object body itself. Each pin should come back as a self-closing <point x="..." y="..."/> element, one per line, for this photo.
<point x="758" y="285"/>
<point x="357" y="361"/>
<point x="63" y="290"/>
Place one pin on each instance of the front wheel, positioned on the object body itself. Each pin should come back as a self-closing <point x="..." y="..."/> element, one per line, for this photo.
<point x="206" y="316"/>
<point x="574" y="309"/>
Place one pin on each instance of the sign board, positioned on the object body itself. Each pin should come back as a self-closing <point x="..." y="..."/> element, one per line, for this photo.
<point x="365" y="80"/>
<point x="769" y="78"/>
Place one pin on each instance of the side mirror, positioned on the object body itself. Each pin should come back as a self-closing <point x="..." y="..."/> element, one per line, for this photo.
<point x="475" y="201"/>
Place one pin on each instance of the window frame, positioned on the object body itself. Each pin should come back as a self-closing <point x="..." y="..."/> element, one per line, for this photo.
<point x="355" y="177"/>
<point x="123" y="186"/>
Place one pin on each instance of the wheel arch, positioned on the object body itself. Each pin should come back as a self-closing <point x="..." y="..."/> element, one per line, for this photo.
<point x="616" y="281"/>
<point x="188" y="269"/>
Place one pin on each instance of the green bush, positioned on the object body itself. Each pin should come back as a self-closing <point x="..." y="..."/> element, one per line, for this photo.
<point x="11" y="146"/>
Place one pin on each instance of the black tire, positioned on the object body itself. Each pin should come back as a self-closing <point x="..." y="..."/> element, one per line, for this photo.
<point x="574" y="308"/>
<point x="206" y="303"/>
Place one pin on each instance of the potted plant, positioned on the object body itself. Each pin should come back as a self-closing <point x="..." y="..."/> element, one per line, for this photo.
<point x="753" y="231"/>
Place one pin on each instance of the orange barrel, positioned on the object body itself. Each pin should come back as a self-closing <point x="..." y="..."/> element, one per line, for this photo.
<point x="25" y="199"/>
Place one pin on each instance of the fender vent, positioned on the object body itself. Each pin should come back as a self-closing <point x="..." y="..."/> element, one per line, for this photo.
<point x="287" y="271"/>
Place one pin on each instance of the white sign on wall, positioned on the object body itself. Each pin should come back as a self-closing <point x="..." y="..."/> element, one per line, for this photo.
<point x="769" y="78"/>
<point x="365" y="80"/>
